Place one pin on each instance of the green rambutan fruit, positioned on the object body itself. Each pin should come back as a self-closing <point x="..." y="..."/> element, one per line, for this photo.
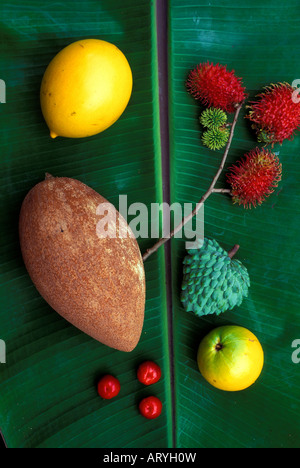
<point x="213" y="118"/>
<point x="215" y="138"/>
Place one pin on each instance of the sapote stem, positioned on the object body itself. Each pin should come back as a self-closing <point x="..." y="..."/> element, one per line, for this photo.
<point x="233" y="251"/>
<point x="48" y="176"/>
<point x="211" y="190"/>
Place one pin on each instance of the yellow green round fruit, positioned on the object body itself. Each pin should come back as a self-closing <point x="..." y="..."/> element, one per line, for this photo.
<point x="230" y="358"/>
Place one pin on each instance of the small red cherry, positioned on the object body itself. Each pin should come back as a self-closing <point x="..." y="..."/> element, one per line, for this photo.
<point x="109" y="387"/>
<point x="148" y="373"/>
<point x="150" y="407"/>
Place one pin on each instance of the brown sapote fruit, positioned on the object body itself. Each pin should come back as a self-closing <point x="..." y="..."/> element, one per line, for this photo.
<point x="97" y="283"/>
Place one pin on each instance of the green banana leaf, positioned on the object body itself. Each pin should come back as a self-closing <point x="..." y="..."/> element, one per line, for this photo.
<point x="48" y="384"/>
<point x="48" y="392"/>
<point x="260" y="41"/>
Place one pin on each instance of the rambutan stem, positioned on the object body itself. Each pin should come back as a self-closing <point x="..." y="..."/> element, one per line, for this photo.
<point x="222" y="190"/>
<point x="211" y="190"/>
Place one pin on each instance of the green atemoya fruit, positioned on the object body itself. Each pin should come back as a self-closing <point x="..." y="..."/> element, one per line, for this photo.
<point x="212" y="282"/>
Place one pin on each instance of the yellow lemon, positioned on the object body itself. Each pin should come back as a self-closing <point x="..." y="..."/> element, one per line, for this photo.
<point x="85" y="88"/>
<point x="230" y="358"/>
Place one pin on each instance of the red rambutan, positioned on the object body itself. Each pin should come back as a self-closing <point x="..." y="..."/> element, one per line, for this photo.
<point x="275" y="115"/>
<point x="215" y="86"/>
<point x="254" y="178"/>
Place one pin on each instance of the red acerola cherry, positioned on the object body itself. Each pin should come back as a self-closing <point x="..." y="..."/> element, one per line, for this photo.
<point x="109" y="387"/>
<point x="148" y="373"/>
<point x="150" y="407"/>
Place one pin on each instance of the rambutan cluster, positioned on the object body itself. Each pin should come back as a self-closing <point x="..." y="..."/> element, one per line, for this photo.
<point x="274" y="114"/>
